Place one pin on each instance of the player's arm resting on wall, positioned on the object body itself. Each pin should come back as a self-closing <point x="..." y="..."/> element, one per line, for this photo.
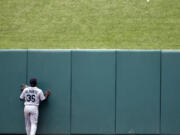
<point x="44" y="96"/>
<point x="23" y="86"/>
<point x="22" y="96"/>
<point x="47" y="93"/>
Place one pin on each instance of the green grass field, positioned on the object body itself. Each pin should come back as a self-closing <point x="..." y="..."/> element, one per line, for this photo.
<point x="102" y="24"/>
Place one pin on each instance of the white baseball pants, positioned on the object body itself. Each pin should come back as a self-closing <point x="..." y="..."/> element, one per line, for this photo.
<point x="31" y="119"/>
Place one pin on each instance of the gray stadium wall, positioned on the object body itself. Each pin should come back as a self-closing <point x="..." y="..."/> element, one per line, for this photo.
<point x="94" y="91"/>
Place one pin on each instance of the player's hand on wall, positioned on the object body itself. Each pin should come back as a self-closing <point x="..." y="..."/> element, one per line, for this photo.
<point x="23" y="86"/>
<point x="47" y="93"/>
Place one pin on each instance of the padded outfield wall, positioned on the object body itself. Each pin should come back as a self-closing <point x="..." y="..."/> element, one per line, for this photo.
<point x="94" y="91"/>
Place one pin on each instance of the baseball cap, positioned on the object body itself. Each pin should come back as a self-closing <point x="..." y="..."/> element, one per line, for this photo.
<point x="33" y="81"/>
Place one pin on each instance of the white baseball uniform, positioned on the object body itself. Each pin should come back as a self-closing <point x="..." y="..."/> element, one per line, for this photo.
<point x="32" y="97"/>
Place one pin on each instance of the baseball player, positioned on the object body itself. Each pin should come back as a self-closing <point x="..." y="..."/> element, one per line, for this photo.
<point x="32" y="96"/>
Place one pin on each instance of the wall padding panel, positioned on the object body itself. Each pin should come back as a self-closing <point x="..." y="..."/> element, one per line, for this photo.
<point x="138" y="92"/>
<point x="170" y="105"/>
<point x="93" y="92"/>
<point x="12" y="75"/>
<point x="53" y="70"/>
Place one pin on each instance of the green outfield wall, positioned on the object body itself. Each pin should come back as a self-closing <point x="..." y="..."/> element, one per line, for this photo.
<point x="13" y="72"/>
<point x="94" y="91"/>
<point x="138" y="92"/>
<point x="170" y="94"/>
